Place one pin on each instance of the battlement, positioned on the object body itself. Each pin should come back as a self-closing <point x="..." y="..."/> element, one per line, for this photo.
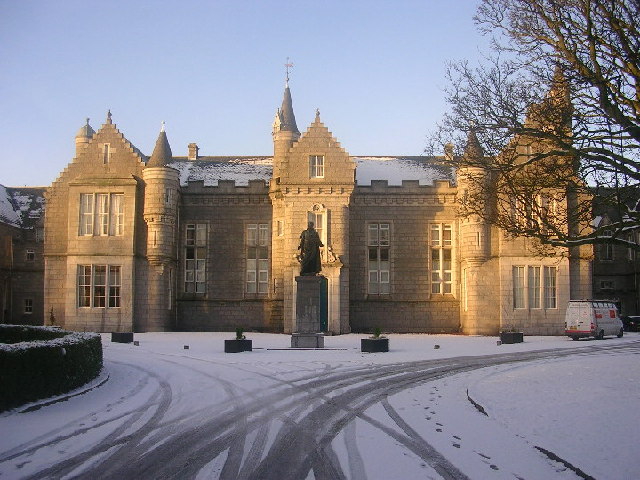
<point x="226" y="187"/>
<point x="407" y="187"/>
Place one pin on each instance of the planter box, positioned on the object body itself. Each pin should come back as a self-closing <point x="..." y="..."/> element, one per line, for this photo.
<point x="122" y="337"/>
<point x="237" y="346"/>
<point x="511" y="337"/>
<point x="374" y="345"/>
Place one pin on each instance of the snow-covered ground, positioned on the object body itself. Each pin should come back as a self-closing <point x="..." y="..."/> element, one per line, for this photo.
<point x="162" y="411"/>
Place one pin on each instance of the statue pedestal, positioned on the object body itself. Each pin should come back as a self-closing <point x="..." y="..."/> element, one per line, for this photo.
<point x="307" y="331"/>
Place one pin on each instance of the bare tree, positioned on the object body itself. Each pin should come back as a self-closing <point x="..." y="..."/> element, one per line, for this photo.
<point x="553" y="120"/>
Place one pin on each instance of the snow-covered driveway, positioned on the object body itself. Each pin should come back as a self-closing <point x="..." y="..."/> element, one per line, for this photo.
<point x="162" y="411"/>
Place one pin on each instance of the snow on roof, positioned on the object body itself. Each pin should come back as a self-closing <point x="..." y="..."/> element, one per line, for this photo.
<point x="21" y="206"/>
<point x="397" y="169"/>
<point x="240" y="169"/>
<point x="8" y="213"/>
<point x="243" y="169"/>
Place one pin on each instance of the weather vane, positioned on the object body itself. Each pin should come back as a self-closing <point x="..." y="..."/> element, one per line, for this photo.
<point x="287" y="66"/>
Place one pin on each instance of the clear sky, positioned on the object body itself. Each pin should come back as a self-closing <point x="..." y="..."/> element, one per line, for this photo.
<point x="214" y="72"/>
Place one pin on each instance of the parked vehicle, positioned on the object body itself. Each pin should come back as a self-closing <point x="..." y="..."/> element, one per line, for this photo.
<point x="592" y="318"/>
<point x="631" y="323"/>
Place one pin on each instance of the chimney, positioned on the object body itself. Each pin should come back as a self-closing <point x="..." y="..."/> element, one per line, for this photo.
<point x="193" y="151"/>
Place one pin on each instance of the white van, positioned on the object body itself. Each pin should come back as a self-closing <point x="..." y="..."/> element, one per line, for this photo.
<point x="592" y="318"/>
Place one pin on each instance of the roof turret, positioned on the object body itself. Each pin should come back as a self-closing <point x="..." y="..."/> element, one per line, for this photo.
<point x="473" y="149"/>
<point x="85" y="131"/>
<point x="162" y="151"/>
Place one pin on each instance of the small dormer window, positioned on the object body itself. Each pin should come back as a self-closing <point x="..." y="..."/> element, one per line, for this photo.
<point x="316" y="166"/>
<point x="105" y="153"/>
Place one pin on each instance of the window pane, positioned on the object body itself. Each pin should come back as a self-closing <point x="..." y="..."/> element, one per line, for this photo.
<point x="435" y="259"/>
<point x="384" y="234"/>
<point x="373" y="254"/>
<point x="435" y="234"/>
<point x="117" y="214"/>
<point x="550" y="287"/>
<point x="446" y="235"/>
<point x="373" y="235"/>
<point x="201" y="234"/>
<point x="264" y="233"/>
<point x="86" y="214"/>
<point x="534" y="287"/>
<point x="518" y="287"/>
<point x="102" y="200"/>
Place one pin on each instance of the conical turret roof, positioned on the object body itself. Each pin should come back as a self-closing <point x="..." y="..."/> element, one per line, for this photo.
<point x="287" y="118"/>
<point x="473" y="149"/>
<point x="162" y="151"/>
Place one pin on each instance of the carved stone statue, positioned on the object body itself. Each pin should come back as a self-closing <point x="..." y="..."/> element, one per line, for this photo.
<point x="310" y="243"/>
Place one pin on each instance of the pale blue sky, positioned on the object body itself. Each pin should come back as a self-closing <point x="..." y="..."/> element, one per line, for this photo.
<point x="213" y="70"/>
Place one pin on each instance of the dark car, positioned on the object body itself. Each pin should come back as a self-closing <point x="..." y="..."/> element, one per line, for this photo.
<point x="631" y="323"/>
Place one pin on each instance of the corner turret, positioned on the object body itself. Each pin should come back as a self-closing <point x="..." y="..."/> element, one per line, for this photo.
<point x="285" y="131"/>
<point x="162" y="189"/>
<point x="84" y="135"/>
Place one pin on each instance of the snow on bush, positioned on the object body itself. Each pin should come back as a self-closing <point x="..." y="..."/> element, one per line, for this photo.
<point x="38" y="362"/>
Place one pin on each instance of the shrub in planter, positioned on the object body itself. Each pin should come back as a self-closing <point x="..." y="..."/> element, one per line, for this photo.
<point x="375" y="344"/>
<point x="239" y="344"/>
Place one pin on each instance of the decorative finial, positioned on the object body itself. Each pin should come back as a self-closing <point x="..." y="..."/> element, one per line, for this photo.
<point x="87" y="121"/>
<point x="287" y="66"/>
<point x="162" y="127"/>
<point x="109" y="116"/>
<point x="317" y="113"/>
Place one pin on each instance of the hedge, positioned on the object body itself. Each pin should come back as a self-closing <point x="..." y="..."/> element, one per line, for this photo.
<point x="38" y="362"/>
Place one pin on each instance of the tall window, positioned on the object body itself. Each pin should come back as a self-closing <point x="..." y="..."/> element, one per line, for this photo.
<point x="316" y="166"/>
<point x="529" y="290"/>
<point x="101" y="214"/>
<point x="318" y="218"/>
<point x="606" y="249"/>
<point x="105" y="153"/>
<point x="441" y="261"/>
<point x="533" y="282"/>
<point x="28" y="306"/>
<point x="518" y="287"/>
<point x="550" y="296"/>
<point x="99" y="286"/>
<point x="195" y="257"/>
<point x="257" y="245"/>
<point x="378" y="245"/>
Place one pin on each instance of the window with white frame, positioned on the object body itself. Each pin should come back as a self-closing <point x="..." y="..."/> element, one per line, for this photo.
<point x="99" y="286"/>
<point x="606" y="249"/>
<point x="28" y="306"/>
<point x="379" y="266"/>
<point x="441" y="258"/>
<point x="316" y="166"/>
<point x="30" y="255"/>
<point x="550" y="287"/>
<point x="319" y="219"/>
<point x="101" y="214"/>
<point x="195" y="258"/>
<point x="257" y="247"/>
<point x="533" y="285"/>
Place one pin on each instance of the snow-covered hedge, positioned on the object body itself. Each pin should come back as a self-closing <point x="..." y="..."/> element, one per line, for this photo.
<point x="38" y="362"/>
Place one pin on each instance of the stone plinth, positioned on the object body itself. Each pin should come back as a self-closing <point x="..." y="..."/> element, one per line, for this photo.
<point x="306" y="330"/>
<point x="307" y="340"/>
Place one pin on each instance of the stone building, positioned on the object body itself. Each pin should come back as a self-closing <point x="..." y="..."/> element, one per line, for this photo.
<point x="21" y="255"/>
<point x="210" y="243"/>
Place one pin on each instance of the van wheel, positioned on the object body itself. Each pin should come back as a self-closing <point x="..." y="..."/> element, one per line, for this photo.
<point x="621" y="333"/>
<point x="600" y="335"/>
<point x="574" y="338"/>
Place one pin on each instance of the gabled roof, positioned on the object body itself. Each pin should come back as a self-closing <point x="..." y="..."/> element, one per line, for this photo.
<point x="21" y="206"/>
